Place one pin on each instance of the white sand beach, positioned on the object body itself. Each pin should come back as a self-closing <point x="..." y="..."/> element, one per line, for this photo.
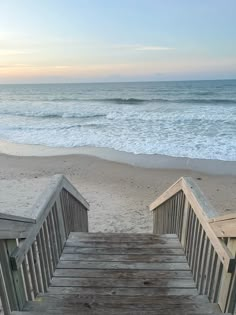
<point x="119" y="193"/>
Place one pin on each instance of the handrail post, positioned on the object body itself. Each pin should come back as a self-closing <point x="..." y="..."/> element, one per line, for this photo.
<point x="228" y="284"/>
<point x="185" y="221"/>
<point x="3" y="294"/>
<point x="17" y="277"/>
<point x="7" y="276"/>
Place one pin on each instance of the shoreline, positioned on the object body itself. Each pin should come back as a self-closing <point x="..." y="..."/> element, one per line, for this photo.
<point x="120" y="191"/>
<point x="153" y="161"/>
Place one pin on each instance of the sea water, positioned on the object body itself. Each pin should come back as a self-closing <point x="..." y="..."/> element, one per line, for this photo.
<point x="195" y="119"/>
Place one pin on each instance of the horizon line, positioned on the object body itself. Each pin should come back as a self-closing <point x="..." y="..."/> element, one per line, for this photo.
<point x="113" y="82"/>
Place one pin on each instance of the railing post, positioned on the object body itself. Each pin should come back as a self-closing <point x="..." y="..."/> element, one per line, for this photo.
<point x="7" y="275"/>
<point x="228" y="284"/>
<point x="17" y="278"/>
<point x="185" y="221"/>
<point x="3" y="295"/>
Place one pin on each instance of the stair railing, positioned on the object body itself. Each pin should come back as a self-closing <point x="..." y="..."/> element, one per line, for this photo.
<point x="27" y="265"/>
<point x="209" y="243"/>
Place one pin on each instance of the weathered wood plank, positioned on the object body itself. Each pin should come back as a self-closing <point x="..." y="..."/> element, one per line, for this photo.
<point x="119" y="299"/>
<point x="123" y="251"/>
<point x="122" y="283"/>
<point x="123" y="274"/>
<point x="121" y="265"/>
<point x="134" y="258"/>
<point x="161" y="244"/>
<point x="225" y="228"/>
<point x="176" y="187"/>
<point x="132" y="237"/>
<point x="116" y="312"/>
<point x="203" y="210"/>
<point x="74" y="192"/>
<point x="10" y="229"/>
<point x="115" y="303"/>
<point x="122" y="291"/>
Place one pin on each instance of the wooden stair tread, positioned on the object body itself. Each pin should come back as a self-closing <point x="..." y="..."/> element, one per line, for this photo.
<point x="114" y="304"/>
<point x="121" y="273"/>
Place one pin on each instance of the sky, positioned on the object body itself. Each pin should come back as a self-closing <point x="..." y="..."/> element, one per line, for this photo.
<point x="66" y="41"/>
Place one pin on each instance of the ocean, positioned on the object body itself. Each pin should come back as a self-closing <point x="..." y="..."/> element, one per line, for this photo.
<point x="195" y="119"/>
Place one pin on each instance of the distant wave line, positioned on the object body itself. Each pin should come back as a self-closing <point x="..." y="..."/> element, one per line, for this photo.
<point x="46" y="115"/>
<point x="136" y="101"/>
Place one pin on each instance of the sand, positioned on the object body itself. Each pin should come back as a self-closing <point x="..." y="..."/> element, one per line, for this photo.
<point x="118" y="193"/>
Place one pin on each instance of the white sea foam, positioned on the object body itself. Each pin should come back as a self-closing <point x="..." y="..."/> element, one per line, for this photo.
<point x="138" y="118"/>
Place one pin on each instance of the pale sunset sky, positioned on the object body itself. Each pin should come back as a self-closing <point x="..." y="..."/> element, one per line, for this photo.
<point x="116" y="40"/>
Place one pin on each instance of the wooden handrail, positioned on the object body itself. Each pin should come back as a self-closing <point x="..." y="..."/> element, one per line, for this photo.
<point x="59" y="210"/>
<point x="203" y="209"/>
<point x="188" y="186"/>
<point x="44" y="203"/>
<point x="208" y="241"/>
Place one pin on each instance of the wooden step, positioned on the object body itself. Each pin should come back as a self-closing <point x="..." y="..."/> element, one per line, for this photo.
<point x="129" y="257"/>
<point x="121" y="274"/>
<point x="121" y="265"/>
<point x="115" y="304"/>
<point x="123" y="251"/>
<point x="122" y="283"/>
<point x="136" y="237"/>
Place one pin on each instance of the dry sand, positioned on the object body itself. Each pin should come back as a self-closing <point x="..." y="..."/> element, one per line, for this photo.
<point x="118" y="193"/>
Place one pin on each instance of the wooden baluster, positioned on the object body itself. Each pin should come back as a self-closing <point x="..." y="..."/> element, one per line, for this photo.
<point x="203" y="272"/>
<point x="45" y="254"/>
<point x="171" y="215"/>
<point x="189" y="234"/>
<point x="32" y="272"/>
<point x="185" y="222"/>
<point x="48" y="248"/>
<point x="53" y="237"/>
<point x="3" y="294"/>
<point x="210" y="264"/>
<point x="179" y="217"/>
<point x="155" y="218"/>
<point x="43" y="265"/>
<point x="61" y="223"/>
<point x="201" y="258"/>
<point x="228" y="285"/>
<point x="69" y="213"/>
<point x="212" y="276"/>
<point x="7" y="274"/>
<point x="37" y="265"/>
<point x="198" y="246"/>
<point x="63" y="211"/>
<point x="27" y="279"/>
<point x="57" y="230"/>
<point x="193" y="240"/>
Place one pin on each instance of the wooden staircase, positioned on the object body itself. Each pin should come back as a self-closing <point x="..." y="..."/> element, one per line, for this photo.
<point x="110" y="274"/>
<point x="50" y="264"/>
